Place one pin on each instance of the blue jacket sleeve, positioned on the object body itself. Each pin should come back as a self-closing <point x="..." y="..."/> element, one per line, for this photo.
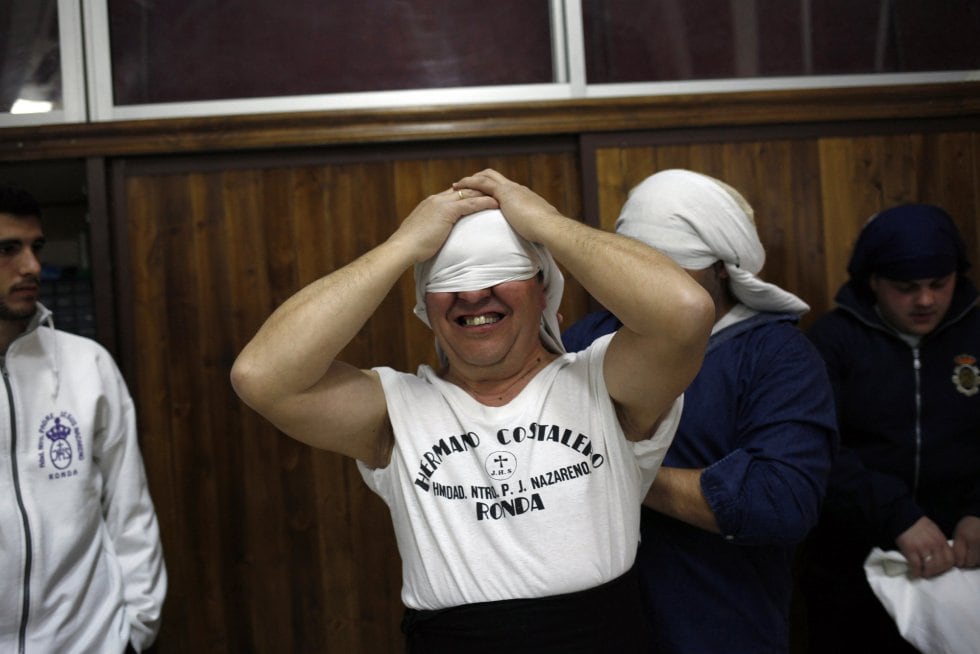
<point x="768" y="489"/>
<point x="581" y="334"/>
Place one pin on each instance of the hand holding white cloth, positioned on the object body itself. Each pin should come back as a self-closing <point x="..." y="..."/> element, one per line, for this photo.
<point x="940" y="615"/>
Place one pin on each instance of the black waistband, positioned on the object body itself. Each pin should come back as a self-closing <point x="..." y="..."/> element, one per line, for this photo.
<point x="607" y="618"/>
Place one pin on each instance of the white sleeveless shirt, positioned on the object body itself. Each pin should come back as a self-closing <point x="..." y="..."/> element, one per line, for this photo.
<point x="535" y="498"/>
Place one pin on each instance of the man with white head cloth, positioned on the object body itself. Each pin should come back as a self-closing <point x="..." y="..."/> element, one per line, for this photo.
<point x="514" y="472"/>
<point x="742" y="482"/>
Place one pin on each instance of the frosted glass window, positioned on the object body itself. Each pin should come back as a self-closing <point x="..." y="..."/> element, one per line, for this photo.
<point x="194" y="50"/>
<point x="670" y="40"/>
<point x="30" y="57"/>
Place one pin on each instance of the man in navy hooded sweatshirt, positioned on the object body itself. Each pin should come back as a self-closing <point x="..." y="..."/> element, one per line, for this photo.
<point x="901" y="348"/>
<point x="742" y="482"/>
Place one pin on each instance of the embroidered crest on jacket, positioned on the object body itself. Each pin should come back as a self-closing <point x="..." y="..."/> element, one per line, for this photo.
<point x="966" y="375"/>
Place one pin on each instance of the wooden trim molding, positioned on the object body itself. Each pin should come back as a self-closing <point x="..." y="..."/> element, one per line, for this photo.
<point x="444" y="123"/>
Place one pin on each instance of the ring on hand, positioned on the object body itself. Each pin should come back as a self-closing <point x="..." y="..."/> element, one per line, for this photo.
<point x="460" y="194"/>
<point x="927" y="558"/>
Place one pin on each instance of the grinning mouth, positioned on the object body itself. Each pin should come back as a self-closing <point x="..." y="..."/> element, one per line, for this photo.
<point x="476" y="321"/>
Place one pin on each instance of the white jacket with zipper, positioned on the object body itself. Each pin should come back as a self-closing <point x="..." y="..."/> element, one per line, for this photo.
<point x="81" y="565"/>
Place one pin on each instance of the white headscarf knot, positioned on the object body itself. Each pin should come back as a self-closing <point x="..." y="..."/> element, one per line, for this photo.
<point x="697" y="220"/>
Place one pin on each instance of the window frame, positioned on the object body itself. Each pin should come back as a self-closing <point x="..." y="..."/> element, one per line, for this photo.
<point x="71" y="55"/>
<point x="104" y="109"/>
<point x="87" y="80"/>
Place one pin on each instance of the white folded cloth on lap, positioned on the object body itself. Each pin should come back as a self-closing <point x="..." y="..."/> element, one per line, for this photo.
<point x="940" y="615"/>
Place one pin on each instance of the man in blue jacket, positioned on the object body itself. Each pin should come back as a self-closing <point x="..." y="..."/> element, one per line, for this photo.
<point x="743" y="480"/>
<point x="901" y="349"/>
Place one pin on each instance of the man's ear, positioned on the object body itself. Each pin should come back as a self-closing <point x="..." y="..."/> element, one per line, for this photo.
<point x="543" y="301"/>
<point x="873" y="283"/>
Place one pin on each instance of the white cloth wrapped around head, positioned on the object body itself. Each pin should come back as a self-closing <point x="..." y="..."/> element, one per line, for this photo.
<point x="482" y="251"/>
<point x="697" y="220"/>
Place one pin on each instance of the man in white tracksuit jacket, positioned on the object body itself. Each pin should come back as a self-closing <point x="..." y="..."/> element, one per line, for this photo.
<point x="81" y="566"/>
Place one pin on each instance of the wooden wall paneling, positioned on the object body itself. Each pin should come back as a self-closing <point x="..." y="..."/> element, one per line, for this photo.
<point x="268" y="196"/>
<point x="805" y="205"/>
<point x="167" y="412"/>
<point x="951" y="167"/>
<point x="100" y="251"/>
<point x="180" y="405"/>
<point x="260" y="541"/>
<point x="144" y="305"/>
<point x="239" y="541"/>
<point x="208" y="463"/>
<point x="847" y="202"/>
<point x="618" y="170"/>
<point x="897" y="163"/>
<point x="360" y="211"/>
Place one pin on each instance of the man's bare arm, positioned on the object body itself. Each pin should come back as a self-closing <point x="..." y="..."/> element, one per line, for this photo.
<point x="288" y="372"/>
<point x="676" y="492"/>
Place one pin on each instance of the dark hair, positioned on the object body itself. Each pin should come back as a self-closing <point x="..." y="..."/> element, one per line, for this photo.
<point x="18" y="202"/>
